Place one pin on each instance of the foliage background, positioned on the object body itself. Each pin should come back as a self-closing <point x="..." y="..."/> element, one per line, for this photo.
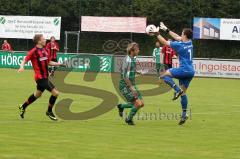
<point x="176" y="14"/>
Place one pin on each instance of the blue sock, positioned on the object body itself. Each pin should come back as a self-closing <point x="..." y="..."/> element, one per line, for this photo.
<point x="184" y="102"/>
<point x="171" y="83"/>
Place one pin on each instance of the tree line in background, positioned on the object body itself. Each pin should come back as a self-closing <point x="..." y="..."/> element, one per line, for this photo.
<point x="176" y="14"/>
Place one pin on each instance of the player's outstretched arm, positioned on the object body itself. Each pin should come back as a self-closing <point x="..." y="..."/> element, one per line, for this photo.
<point x="171" y="33"/>
<point x="52" y="63"/>
<point x="21" y="68"/>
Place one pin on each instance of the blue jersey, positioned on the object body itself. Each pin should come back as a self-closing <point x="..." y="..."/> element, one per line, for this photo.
<point x="185" y="54"/>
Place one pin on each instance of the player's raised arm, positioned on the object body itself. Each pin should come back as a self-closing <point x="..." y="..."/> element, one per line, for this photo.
<point x="175" y="36"/>
<point x="162" y="39"/>
<point x="171" y="33"/>
<point x="155" y="31"/>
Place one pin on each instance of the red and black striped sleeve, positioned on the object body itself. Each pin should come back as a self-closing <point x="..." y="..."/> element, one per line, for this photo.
<point x="30" y="54"/>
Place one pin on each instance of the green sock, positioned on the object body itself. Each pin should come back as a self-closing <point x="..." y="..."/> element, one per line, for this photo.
<point x="132" y="113"/>
<point x="127" y="105"/>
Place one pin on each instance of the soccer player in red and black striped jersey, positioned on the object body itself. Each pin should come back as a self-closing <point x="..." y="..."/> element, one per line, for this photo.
<point x="40" y="59"/>
<point x="52" y="48"/>
<point x="168" y="54"/>
<point x="6" y="46"/>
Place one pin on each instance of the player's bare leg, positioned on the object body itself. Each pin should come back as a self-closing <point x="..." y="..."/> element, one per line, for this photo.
<point x="184" y="103"/>
<point x="167" y="78"/>
<point x="52" y="101"/>
<point x="30" y="100"/>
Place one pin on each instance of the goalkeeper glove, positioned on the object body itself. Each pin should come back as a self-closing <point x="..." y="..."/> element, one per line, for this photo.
<point x="163" y="27"/>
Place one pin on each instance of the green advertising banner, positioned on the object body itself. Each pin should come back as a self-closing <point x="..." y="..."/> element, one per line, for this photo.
<point x="75" y="62"/>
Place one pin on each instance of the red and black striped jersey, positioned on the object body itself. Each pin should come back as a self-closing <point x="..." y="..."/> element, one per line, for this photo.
<point x="40" y="59"/>
<point x="53" y="48"/>
<point x="168" y="54"/>
<point x="6" y="47"/>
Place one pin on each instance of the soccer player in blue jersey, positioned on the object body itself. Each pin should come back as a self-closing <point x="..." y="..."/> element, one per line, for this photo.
<point x="184" y="48"/>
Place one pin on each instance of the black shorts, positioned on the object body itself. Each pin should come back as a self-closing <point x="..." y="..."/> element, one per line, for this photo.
<point x="43" y="84"/>
<point x="169" y="66"/>
<point x="55" y="60"/>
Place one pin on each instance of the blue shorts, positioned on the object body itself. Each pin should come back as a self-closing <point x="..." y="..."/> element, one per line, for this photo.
<point x="184" y="76"/>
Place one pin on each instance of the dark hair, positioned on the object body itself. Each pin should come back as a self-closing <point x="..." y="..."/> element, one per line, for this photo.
<point x="52" y="37"/>
<point x="188" y="32"/>
<point x="37" y="38"/>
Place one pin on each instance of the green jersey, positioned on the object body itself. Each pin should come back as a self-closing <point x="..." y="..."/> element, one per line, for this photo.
<point x="128" y="69"/>
<point x="157" y="54"/>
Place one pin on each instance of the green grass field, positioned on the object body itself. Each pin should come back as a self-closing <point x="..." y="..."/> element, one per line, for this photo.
<point x="212" y="133"/>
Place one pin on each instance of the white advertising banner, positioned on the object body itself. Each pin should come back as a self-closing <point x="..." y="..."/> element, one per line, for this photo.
<point x="221" y="68"/>
<point x="25" y="27"/>
<point x="215" y="68"/>
<point x="216" y="28"/>
<point x="113" y="24"/>
<point x="230" y="29"/>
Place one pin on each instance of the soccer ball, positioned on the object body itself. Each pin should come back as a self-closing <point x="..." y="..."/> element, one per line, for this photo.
<point x="151" y="29"/>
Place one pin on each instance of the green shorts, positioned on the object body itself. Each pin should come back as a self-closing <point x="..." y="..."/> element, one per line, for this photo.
<point x="158" y="66"/>
<point x="127" y="93"/>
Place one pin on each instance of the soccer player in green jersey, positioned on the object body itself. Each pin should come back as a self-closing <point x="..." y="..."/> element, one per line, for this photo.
<point x="157" y="57"/>
<point x="127" y="84"/>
